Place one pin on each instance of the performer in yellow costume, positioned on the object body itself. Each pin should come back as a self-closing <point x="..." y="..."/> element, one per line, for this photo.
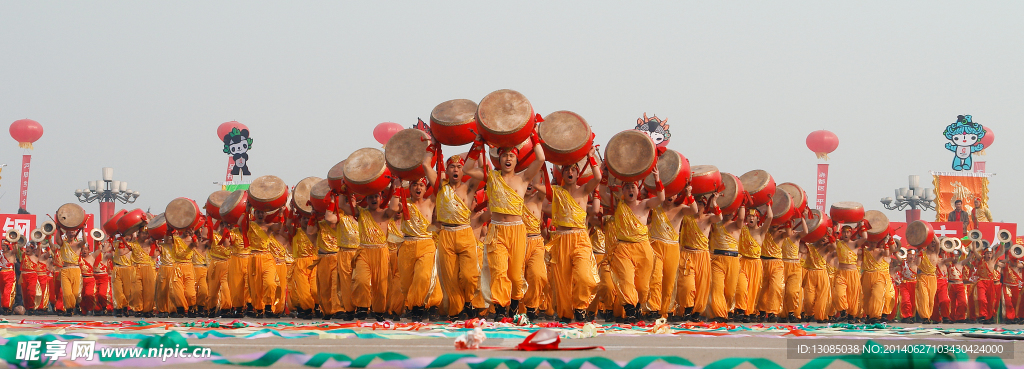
<point x="817" y="291"/>
<point x="396" y="299"/>
<point x="182" y="256"/>
<point x="348" y="249"/>
<point x="604" y="297"/>
<point x="695" y="259"/>
<point x="417" y="270"/>
<point x="632" y="260"/>
<point x="847" y="288"/>
<point x="666" y="220"/>
<point x="725" y="266"/>
<point x="369" y="275"/>
<point x="123" y="280"/>
<point x="200" y="266"/>
<point x="302" y="282"/>
<point x="876" y="274"/>
<point x="783" y="297"/>
<point x="748" y="286"/>
<point x="144" y="285"/>
<point x="217" y="275"/>
<point x="328" y="282"/>
<point x="279" y="246"/>
<point x="572" y="256"/>
<point x="262" y="267"/>
<point x="71" y="273"/>
<point x="536" y="265"/>
<point x="926" y="267"/>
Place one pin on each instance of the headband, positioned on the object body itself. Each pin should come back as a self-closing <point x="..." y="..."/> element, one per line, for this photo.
<point x="456" y="159"/>
<point x="503" y="150"/>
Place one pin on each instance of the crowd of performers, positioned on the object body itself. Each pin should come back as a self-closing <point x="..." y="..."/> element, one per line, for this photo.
<point x="495" y="243"/>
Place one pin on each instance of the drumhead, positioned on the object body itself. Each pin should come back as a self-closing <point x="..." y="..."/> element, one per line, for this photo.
<point x="320" y="189"/>
<point x="879" y="222"/>
<point x="848" y="205"/>
<point x="70" y="215"/>
<point x="267" y="188"/>
<point x="454" y="112"/>
<point x="217" y="198"/>
<point x="795" y="193"/>
<point x="181" y="213"/>
<point x="157" y="221"/>
<point x="301" y="194"/>
<point x="919" y="233"/>
<point x="406" y="149"/>
<point x="235" y="199"/>
<point x="755" y="180"/>
<point x="814" y="219"/>
<point x="630" y="153"/>
<point x="702" y="170"/>
<point x="781" y="203"/>
<point x="564" y="131"/>
<point x="337" y="172"/>
<point x="671" y="165"/>
<point x="733" y="189"/>
<point x="364" y="166"/>
<point x="504" y="111"/>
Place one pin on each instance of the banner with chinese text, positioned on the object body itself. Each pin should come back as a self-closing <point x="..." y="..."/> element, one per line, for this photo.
<point x="952" y="186"/>
<point x="821" y="187"/>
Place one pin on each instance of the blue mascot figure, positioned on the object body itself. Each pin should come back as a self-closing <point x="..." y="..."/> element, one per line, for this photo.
<point x="964" y="137"/>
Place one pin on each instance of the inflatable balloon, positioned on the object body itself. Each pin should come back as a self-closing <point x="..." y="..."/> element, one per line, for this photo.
<point x="383" y="132"/>
<point x="26" y="131"/>
<point x="226" y="127"/>
<point x="987" y="140"/>
<point x="822" y="143"/>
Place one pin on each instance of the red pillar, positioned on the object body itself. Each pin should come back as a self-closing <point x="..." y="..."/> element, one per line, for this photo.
<point x="106" y="211"/>
<point x="913" y="214"/>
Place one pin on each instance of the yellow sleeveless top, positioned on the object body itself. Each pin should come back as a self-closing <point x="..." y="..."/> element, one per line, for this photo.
<point x="395" y="235"/>
<point x="925" y="266"/>
<point x="531" y="222"/>
<point x="182" y="253"/>
<point x="845" y="254"/>
<point x="690" y="235"/>
<point x="218" y="251"/>
<point x="610" y="238"/>
<point x="348" y="232"/>
<point x="370" y="233"/>
<point x="748" y="245"/>
<point x="565" y="212"/>
<point x="814" y="260"/>
<point x="871" y="265"/>
<point x="199" y="258"/>
<point x="661" y="229"/>
<point x="258" y="239"/>
<point x="790" y="249"/>
<point x="68" y="254"/>
<point x="722" y="240"/>
<point x="450" y="208"/>
<point x="417" y="224"/>
<point x="327" y="239"/>
<point x="628" y="227"/>
<point x="302" y="246"/>
<point x="238" y="245"/>
<point x="770" y="248"/>
<point x="139" y="257"/>
<point x="597" y="240"/>
<point x="501" y="198"/>
<point x="121" y="260"/>
<point x="277" y="249"/>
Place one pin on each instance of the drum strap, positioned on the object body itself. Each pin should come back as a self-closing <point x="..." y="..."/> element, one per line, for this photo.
<point x="548" y="192"/>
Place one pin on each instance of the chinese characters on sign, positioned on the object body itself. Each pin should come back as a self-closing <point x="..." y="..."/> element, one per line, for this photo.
<point x="26" y="161"/>
<point x="821" y="186"/>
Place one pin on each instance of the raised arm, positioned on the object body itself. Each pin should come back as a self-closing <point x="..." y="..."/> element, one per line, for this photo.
<point x="533" y="169"/>
<point x="594" y="168"/>
<point x="476" y="153"/>
<point x="660" y="197"/>
<point x="430" y="173"/>
<point x="767" y="220"/>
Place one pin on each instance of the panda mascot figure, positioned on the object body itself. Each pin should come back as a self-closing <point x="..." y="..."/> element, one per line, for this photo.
<point x="237" y="143"/>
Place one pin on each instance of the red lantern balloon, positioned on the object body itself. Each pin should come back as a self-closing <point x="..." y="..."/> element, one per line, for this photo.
<point x="226" y="127"/>
<point x="822" y="143"/>
<point x="26" y="131"/>
<point x="989" y="137"/>
<point x="383" y="132"/>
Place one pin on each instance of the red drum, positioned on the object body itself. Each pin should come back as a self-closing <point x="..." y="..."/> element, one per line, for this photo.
<point x="920" y="233"/>
<point x="182" y="213"/>
<point x="674" y="169"/>
<point x="234" y="206"/>
<point x="705" y="179"/>
<point x="524" y="158"/>
<point x="134" y="218"/>
<point x="732" y="195"/>
<point x="213" y="203"/>
<point x="566" y="137"/>
<point x="818" y="226"/>
<point x="847" y="212"/>
<point x="318" y="196"/>
<point x="505" y="118"/>
<point x="70" y="216"/>
<point x="760" y="185"/>
<point x="336" y="177"/>
<point x="301" y="194"/>
<point x="797" y="194"/>
<point x="405" y="151"/>
<point x="267" y="193"/>
<point x="630" y="155"/>
<point x="366" y="171"/>
<point x="157" y="227"/>
<point x="111" y="225"/>
<point x="880" y="226"/>
<point x="452" y="122"/>
<point x="782" y="207"/>
<point x="585" y="175"/>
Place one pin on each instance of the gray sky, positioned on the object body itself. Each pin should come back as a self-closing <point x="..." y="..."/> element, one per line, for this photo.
<point x="142" y="86"/>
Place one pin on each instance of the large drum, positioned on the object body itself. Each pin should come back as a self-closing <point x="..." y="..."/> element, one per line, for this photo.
<point x="797" y="194"/>
<point x="134" y="218"/>
<point x="920" y="233"/>
<point x="782" y="207"/>
<point x="674" y="169"/>
<point x="405" y="151"/>
<point x="880" y="226"/>
<point x="760" y="185"/>
<point x="585" y="175"/>
<point x="818" y="226"/>
<point x="705" y="179"/>
<point x="267" y="193"/>
<point x="318" y="200"/>
<point x="110" y="226"/>
<point x="630" y="155"/>
<point x="366" y="171"/>
<point x="182" y="213"/>
<point x="566" y="137"/>
<point x="452" y="122"/>
<point x="213" y="203"/>
<point x="301" y="194"/>
<point x="157" y="227"/>
<point x="505" y="118"/>
<point x="524" y="158"/>
<point x="732" y="195"/>
<point x="336" y="177"/>
<point x="70" y="216"/>
<point x="234" y="207"/>
<point x="847" y="212"/>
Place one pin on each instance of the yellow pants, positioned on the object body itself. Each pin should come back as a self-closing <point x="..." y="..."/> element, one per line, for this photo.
<point x="890" y="296"/>
<point x="536" y="271"/>
<point x="202" y="288"/>
<point x="694" y="280"/>
<point x="396" y="299"/>
<point x="346" y="264"/>
<point x="874" y="288"/>
<point x="327" y="284"/>
<point x="749" y="284"/>
<point x="817" y="291"/>
<point x="217" y="281"/>
<point x="793" y="297"/>
<point x="572" y="264"/>
<point x="924" y="297"/>
<point x="604" y="298"/>
<point x="187" y="284"/>
<point x="482" y="296"/>
<point x="417" y="270"/>
<point x="847" y="292"/>
<point x="632" y="266"/>
<point x="772" y="279"/>
<point x="663" y="282"/>
<point x="725" y="271"/>
<point x="280" y="293"/>
<point x="262" y="280"/>
<point x="506" y="256"/>
<point x="370" y="278"/>
<point x="303" y="283"/>
<point x="170" y="290"/>
<point x="71" y="286"/>
<point x="238" y="280"/>
<point x="124" y="283"/>
<point x="145" y="275"/>
<point x="459" y="268"/>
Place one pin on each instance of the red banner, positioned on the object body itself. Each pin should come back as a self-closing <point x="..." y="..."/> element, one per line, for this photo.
<point x="26" y="161"/>
<point x="24" y="223"/>
<point x="231" y="165"/>
<point x="956" y="229"/>
<point x="822" y="187"/>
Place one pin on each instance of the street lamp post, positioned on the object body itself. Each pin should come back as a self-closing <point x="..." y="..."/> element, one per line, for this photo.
<point x="914" y="197"/>
<point x="112" y="190"/>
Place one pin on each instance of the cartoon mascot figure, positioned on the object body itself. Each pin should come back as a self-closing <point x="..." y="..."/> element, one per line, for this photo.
<point x="964" y="137"/>
<point x="237" y="143"/>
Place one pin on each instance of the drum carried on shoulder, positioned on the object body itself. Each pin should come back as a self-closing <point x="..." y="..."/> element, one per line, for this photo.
<point x="157" y="227"/>
<point x="760" y="185"/>
<point x="267" y="193"/>
<point x="630" y="155"/>
<point x="797" y="194"/>
<point x="336" y="177"/>
<point x="301" y="194"/>
<point x="452" y="122"/>
<point x="405" y="151"/>
<point x="732" y="194"/>
<point x="818" y="226"/>
<point x="318" y="196"/>
<point x="235" y="206"/>
<point x="782" y="207"/>
<point x="505" y="118"/>
<point x="134" y="219"/>
<point x="182" y="213"/>
<point x="70" y="217"/>
<point x="920" y="233"/>
<point x="110" y="226"/>
<point x="847" y="212"/>
<point x="705" y="179"/>
<point x="566" y="137"/>
<point x="674" y="169"/>
<point x="524" y="156"/>
<point x="366" y="171"/>
<point x="880" y="227"/>
<point x="213" y="203"/>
